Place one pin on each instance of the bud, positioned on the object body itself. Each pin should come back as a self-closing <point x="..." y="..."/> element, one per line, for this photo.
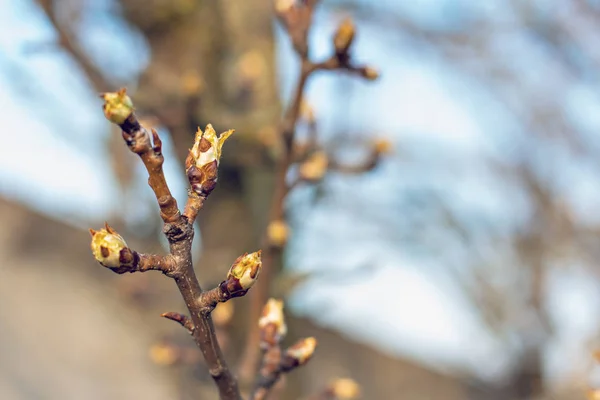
<point x="192" y="83"/>
<point x="107" y="246"/>
<point x="272" y="315"/>
<point x="203" y="160"/>
<point x="307" y="112"/>
<point x="278" y="232"/>
<point x="302" y="351"/>
<point x="242" y="274"/>
<point x="252" y="65"/>
<point x="370" y="73"/>
<point x="164" y="354"/>
<point x="382" y="146"/>
<point x="593" y="394"/>
<point x="315" y="167"/>
<point x="283" y="6"/>
<point x="344" y="36"/>
<point x="117" y="106"/>
<point x="345" y="389"/>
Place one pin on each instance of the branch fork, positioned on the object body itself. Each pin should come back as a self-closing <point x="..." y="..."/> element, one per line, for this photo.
<point x="276" y="361"/>
<point x="296" y="18"/>
<point x="201" y="168"/>
<point x="111" y="250"/>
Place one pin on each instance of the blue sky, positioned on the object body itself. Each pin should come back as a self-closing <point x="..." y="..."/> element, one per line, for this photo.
<point x="444" y="127"/>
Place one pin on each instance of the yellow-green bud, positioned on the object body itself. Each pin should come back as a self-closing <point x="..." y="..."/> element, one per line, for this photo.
<point x="272" y="314"/>
<point x="382" y="146"/>
<point x="203" y="159"/>
<point x="245" y="270"/>
<point x="207" y="146"/>
<point x="593" y="394"/>
<point x="117" y="106"/>
<point x="345" y="389"/>
<point x="106" y="246"/>
<point x="315" y="167"/>
<point x="370" y="73"/>
<point x="344" y="36"/>
<point x="278" y="232"/>
<point x="303" y="350"/>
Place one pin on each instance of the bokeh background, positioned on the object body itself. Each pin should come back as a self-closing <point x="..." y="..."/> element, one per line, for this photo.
<point x="462" y="266"/>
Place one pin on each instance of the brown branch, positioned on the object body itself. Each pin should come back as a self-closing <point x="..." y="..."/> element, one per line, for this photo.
<point x="297" y="20"/>
<point x="181" y="319"/>
<point x="204" y="332"/>
<point x="275" y="362"/>
<point x="274" y="365"/>
<point x="367" y="165"/>
<point x="179" y="231"/>
<point x="269" y="373"/>
<point x="201" y="168"/>
<point x="150" y="151"/>
<point x="192" y="206"/>
<point x="241" y="277"/>
<point x="147" y="262"/>
<point x="110" y="250"/>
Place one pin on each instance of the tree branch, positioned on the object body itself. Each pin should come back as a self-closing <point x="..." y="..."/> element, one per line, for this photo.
<point x="119" y="110"/>
<point x="296" y="19"/>
<point x="181" y="319"/>
<point x="201" y="169"/>
<point x="378" y="149"/>
<point x="192" y="206"/>
<point x="111" y="250"/>
<point x="275" y="362"/>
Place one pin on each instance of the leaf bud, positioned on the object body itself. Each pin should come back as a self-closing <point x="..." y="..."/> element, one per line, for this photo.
<point x="283" y="6"/>
<point x="272" y="316"/>
<point x="242" y="274"/>
<point x="345" y="389"/>
<point x="315" y="167"/>
<point x="107" y="246"/>
<point x="117" y="106"/>
<point x="302" y="350"/>
<point x="370" y="73"/>
<point x="344" y="36"/>
<point x="278" y="232"/>
<point x="203" y="160"/>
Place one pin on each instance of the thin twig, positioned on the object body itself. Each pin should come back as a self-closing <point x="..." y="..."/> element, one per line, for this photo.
<point x="109" y="248"/>
<point x="180" y="232"/>
<point x="181" y="319"/>
<point x="367" y="165"/>
<point x="276" y="362"/>
<point x="272" y="253"/>
<point x="138" y="141"/>
<point x="297" y="20"/>
<point x="192" y="206"/>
